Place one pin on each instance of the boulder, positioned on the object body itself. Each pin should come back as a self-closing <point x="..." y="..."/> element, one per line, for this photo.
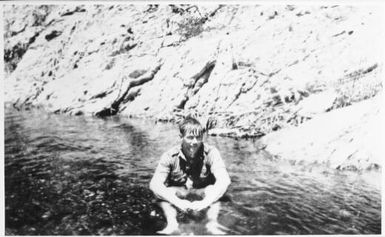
<point x="345" y="138"/>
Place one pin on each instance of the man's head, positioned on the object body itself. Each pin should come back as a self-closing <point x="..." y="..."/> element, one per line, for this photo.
<point x="191" y="132"/>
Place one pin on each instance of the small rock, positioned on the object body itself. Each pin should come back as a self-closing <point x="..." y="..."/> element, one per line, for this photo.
<point x="344" y="214"/>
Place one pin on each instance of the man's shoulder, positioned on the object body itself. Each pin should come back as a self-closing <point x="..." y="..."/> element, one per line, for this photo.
<point x="211" y="154"/>
<point x="172" y="152"/>
<point x="209" y="148"/>
<point x="213" y="157"/>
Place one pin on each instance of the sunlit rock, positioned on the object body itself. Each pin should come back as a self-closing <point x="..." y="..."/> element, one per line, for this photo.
<point x="256" y="68"/>
<point x="344" y="138"/>
<point x="316" y="103"/>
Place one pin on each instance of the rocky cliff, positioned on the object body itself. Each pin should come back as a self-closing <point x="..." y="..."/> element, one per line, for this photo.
<point x="254" y="68"/>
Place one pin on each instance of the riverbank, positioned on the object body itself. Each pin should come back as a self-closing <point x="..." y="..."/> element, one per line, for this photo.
<point x="256" y="69"/>
<point x="349" y="138"/>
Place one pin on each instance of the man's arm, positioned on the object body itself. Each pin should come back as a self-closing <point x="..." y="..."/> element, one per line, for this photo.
<point x="222" y="182"/>
<point x="216" y="191"/>
<point x="159" y="188"/>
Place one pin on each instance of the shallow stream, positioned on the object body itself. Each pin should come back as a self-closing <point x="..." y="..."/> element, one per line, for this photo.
<point x="78" y="175"/>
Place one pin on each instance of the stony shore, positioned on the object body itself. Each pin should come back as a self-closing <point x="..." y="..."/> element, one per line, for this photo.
<point x="307" y="79"/>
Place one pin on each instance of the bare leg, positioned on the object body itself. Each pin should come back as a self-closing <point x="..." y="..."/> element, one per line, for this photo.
<point x="212" y="214"/>
<point x="213" y="211"/>
<point x="170" y="213"/>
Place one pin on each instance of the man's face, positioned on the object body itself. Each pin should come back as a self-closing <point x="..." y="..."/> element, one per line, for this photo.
<point x="191" y="144"/>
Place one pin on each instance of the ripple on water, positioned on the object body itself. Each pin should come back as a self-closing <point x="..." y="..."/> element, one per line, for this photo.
<point x="85" y="176"/>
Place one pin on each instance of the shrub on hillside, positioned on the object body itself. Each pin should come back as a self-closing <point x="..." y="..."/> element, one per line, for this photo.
<point x="191" y="26"/>
<point x="191" y="22"/>
<point x="357" y="86"/>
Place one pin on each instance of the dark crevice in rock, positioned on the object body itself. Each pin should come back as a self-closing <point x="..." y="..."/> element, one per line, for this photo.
<point x="271" y="17"/>
<point x="93" y="51"/>
<point x="271" y="74"/>
<point x="301" y="13"/>
<point x="358" y="74"/>
<point x="100" y="95"/>
<point x="52" y="21"/>
<point x="13" y="33"/>
<point x="293" y="63"/>
<point x="341" y="33"/>
<point x="216" y="10"/>
<point x="129" y="30"/>
<point x="304" y="58"/>
<point x="79" y="57"/>
<point x="73" y="29"/>
<point x="77" y="9"/>
<point x="13" y="56"/>
<point x="128" y="95"/>
<point x="49" y="96"/>
<point x="152" y="8"/>
<point x="33" y="38"/>
<point x="124" y="49"/>
<point x="110" y="64"/>
<point x="182" y="103"/>
<point x="200" y="79"/>
<point x="128" y="43"/>
<point x="243" y="90"/>
<point x="79" y="113"/>
<point x="131" y="95"/>
<point x="371" y="68"/>
<point x="290" y="7"/>
<point x="52" y="35"/>
<point x="137" y="73"/>
<point x="234" y="66"/>
<point x="205" y="72"/>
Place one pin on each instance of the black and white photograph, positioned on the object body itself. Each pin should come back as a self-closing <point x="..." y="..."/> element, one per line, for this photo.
<point x="192" y="117"/>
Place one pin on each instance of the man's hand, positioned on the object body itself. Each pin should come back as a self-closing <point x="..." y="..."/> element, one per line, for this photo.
<point x="183" y="204"/>
<point x="199" y="205"/>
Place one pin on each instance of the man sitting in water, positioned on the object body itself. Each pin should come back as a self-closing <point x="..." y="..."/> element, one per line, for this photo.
<point x="192" y="169"/>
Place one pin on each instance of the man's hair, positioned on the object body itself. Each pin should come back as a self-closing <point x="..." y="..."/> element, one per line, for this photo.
<point x="191" y="125"/>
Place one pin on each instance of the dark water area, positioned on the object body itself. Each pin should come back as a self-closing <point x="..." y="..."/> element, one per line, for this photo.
<point x="88" y="176"/>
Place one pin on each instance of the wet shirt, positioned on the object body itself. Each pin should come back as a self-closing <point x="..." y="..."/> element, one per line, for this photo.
<point x="176" y="170"/>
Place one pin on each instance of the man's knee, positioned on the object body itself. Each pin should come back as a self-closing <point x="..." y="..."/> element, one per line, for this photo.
<point x="208" y="190"/>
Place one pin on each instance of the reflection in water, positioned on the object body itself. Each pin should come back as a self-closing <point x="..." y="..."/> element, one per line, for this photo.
<point x="77" y="175"/>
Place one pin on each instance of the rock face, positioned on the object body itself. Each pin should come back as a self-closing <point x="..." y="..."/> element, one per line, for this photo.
<point x="346" y="138"/>
<point x="255" y="68"/>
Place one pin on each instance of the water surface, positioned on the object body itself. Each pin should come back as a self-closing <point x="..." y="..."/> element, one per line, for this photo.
<point x="77" y="175"/>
